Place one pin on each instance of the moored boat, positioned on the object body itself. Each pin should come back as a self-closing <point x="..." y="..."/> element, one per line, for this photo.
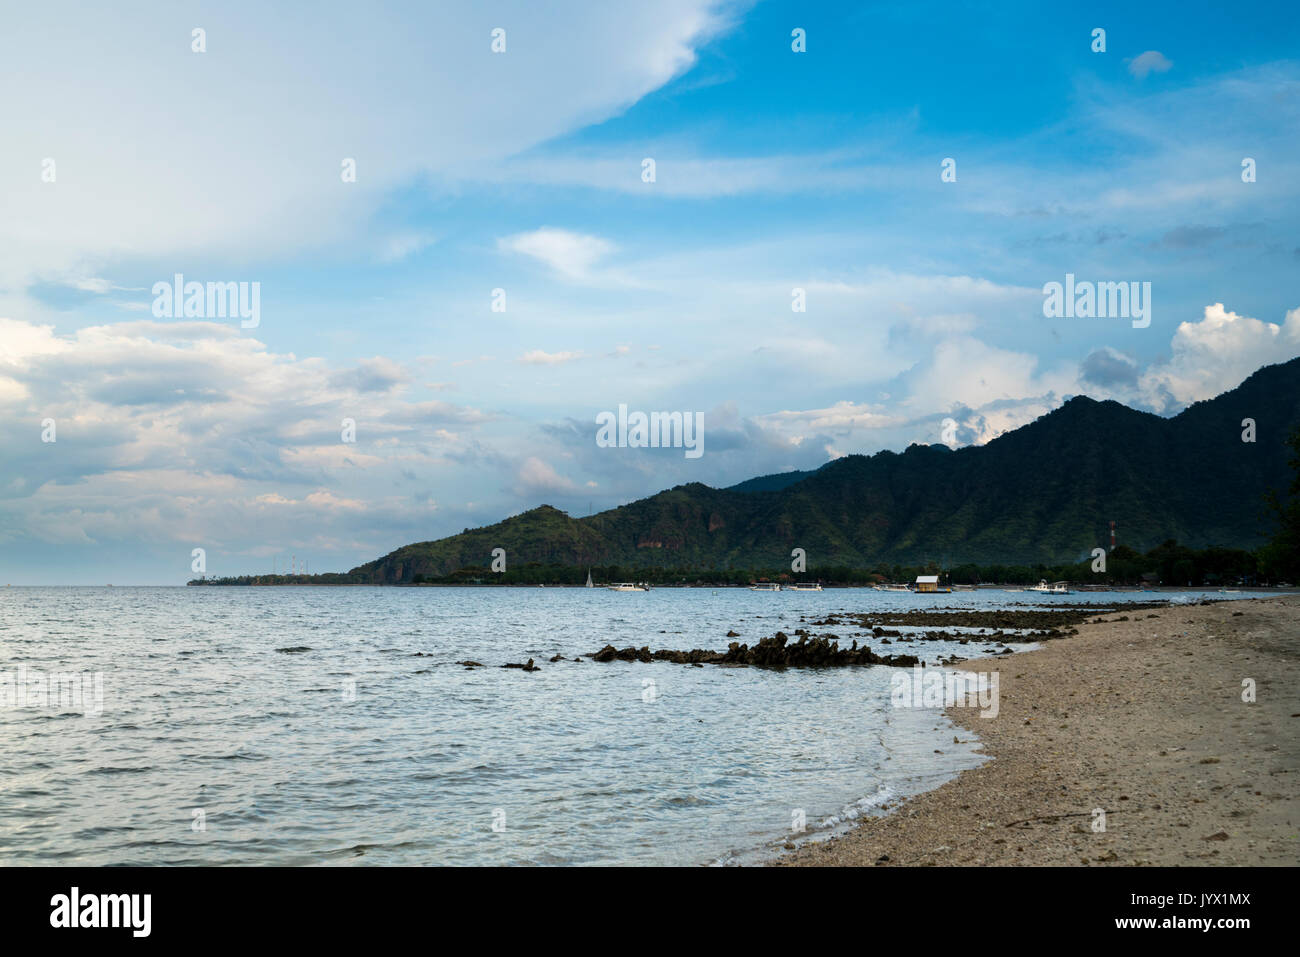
<point x="1055" y="588"/>
<point x="929" y="585"/>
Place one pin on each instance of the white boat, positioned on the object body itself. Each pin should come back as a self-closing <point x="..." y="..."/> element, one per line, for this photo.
<point x="893" y="588"/>
<point x="589" y="584"/>
<point x="805" y="586"/>
<point x="1055" y="588"/>
<point x="629" y="586"/>
<point x="764" y="586"/>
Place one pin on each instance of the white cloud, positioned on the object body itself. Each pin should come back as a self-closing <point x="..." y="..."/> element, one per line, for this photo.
<point x="537" y="476"/>
<point x="538" y="357"/>
<point x="190" y="432"/>
<point x="1152" y="61"/>
<point x="21" y="342"/>
<point x="840" y="418"/>
<point x="92" y="284"/>
<point x="1215" y="354"/>
<point x="990" y="391"/>
<point x="963" y="371"/>
<point x="161" y="151"/>
<point x="940" y="326"/>
<point x="572" y="255"/>
<point x="987" y="390"/>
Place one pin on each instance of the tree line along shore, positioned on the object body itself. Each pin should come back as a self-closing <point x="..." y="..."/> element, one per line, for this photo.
<point x="1169" y="564"/>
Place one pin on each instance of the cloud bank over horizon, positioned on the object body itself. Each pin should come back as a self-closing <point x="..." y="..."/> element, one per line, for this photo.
<point x="175" y="434"/>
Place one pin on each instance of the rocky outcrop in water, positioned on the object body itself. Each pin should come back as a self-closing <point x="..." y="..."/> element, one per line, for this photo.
<point x="998" y="627"/>
<point x="1050" y="622"/>
<point x="774" y="652"/>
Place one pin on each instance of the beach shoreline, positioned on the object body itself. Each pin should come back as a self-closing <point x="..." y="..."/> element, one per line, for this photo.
<point x="1139" y="718"/>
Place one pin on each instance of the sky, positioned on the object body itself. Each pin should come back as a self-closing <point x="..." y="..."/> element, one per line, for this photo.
<point x="460" y="247"/>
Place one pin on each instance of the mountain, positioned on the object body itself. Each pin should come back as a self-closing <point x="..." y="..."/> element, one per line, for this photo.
<point x="1045" y="492"/>
<point x="770" y="483"/>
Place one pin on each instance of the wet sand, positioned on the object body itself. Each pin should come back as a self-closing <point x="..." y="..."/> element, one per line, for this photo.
<point x="1143" y="719"/>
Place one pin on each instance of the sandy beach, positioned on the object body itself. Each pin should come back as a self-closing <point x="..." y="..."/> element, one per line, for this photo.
<point x="1143" y="718"/>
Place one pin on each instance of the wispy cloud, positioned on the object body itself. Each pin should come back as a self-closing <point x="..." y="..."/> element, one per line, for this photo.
<point x="538" y="357"/>
<point x="1152" y="61"/>
<point x="572" y="255"/>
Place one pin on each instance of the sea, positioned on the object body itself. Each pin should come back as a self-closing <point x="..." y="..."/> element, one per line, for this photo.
<point x="334" y="725"/>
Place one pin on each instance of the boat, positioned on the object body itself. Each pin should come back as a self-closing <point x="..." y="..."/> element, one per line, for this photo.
<point x="1055" y="588"/>
<point x="805" y="586"/>
<point x="629" y="586"/>
<point x="893" y="588"/>
<point x="589" y="584"/>
<point x="929" y="585"/>
<point x="764" y="586"/>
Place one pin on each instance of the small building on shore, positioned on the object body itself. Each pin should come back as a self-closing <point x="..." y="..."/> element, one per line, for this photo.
<point x="927" y="582"/>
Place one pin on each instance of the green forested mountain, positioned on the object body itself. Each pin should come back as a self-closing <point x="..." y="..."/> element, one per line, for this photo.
<point x="1043" y="493"/>
<point x="770" y="483"/>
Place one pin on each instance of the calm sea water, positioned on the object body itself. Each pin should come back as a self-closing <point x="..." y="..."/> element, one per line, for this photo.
<point x="367" y="744"/>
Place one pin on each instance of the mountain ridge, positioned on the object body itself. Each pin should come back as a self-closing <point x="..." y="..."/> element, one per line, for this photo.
<point x="1044" y="492"/>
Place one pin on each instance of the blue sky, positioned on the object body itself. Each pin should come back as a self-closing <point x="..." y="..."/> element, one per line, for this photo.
<point x="522" y="170"/>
